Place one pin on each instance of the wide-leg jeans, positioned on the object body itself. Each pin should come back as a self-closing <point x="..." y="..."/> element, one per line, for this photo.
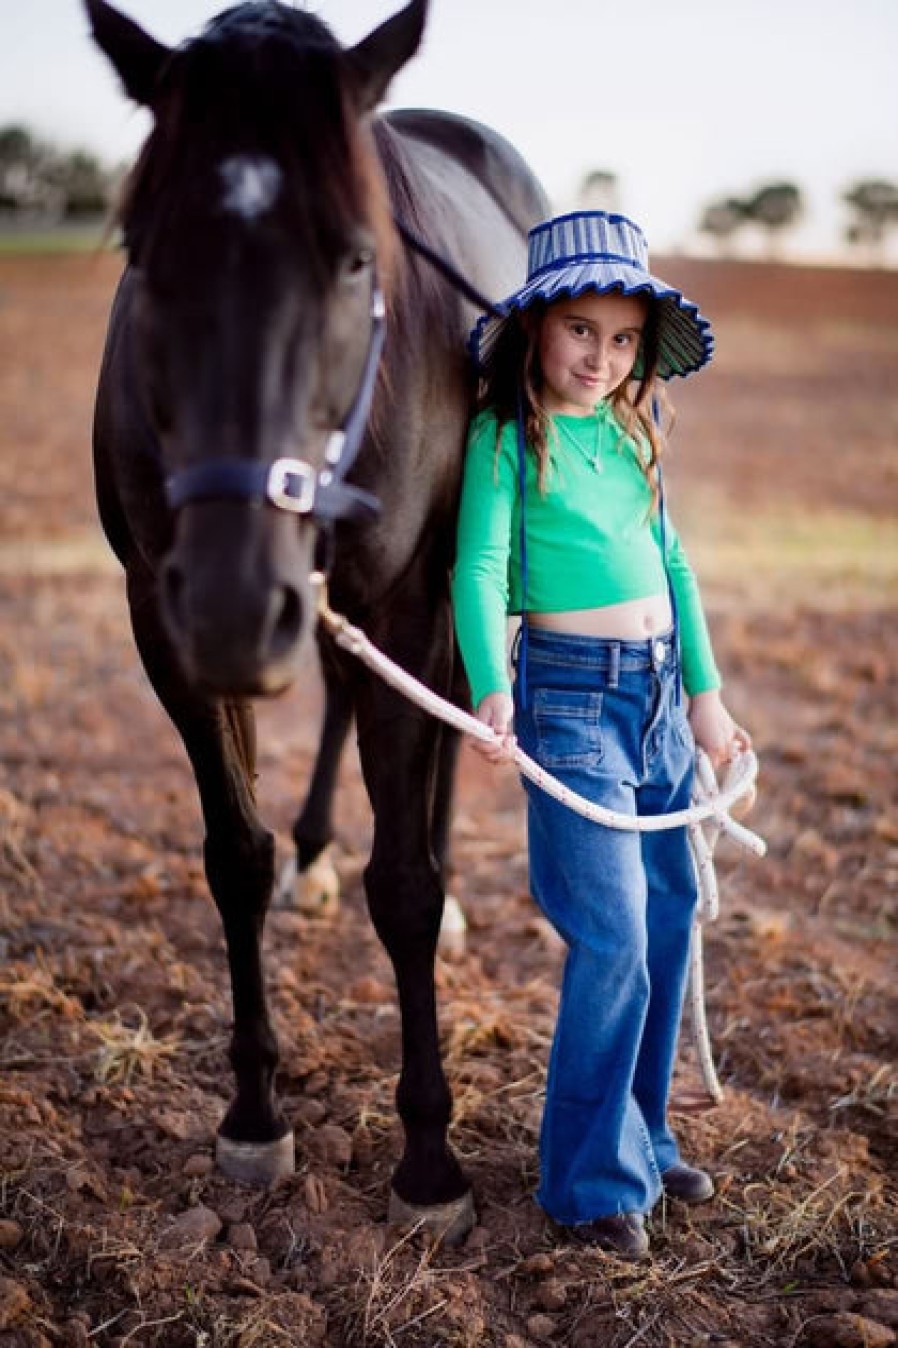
<point x="606" y="718"/>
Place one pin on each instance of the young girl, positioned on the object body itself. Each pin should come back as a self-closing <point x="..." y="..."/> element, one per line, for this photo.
<point x="563" y="522"/>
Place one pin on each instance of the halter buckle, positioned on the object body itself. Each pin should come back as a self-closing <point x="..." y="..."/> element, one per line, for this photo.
<point x="291" y="485"/>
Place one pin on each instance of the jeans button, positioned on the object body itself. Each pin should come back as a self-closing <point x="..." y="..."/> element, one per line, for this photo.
<point x="658" y="651"/>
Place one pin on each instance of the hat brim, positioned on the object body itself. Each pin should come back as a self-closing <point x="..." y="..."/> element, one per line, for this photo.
<point x="685" y="342"/>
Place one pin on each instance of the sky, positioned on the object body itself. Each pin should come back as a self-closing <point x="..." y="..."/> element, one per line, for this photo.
<point x="683" y="100"/>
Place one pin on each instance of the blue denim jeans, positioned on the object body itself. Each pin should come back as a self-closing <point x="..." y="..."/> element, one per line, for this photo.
<point x="605" y="717"/>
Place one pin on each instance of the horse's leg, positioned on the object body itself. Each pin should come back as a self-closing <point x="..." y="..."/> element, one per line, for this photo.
<point x="452" y="939"/>
<point x="453" y="927"/>
<point x="309" y="878"/>
<point x="444" y="801"/>
<point x="398" y="748"/>
<point x="447" y="764"/>
<point x="254" y="1142"/>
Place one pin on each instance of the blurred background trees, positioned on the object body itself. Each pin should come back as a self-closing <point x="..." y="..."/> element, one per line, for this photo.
<point x="40" y="181"/>
<point x="874" y="208"/>
<point x="774" y="208"/>
<point x="721" y="220"/>
<point x="598" y="191"/>
<point x="777" y="207"/>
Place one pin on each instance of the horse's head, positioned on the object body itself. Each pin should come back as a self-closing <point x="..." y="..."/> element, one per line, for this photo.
<point x="253" y="222"/>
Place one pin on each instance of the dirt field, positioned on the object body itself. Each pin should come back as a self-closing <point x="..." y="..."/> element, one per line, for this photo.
<point x="114" y="1227"/>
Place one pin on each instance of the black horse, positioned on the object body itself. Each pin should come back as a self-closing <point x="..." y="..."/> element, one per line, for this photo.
<point x="238" y="449"/>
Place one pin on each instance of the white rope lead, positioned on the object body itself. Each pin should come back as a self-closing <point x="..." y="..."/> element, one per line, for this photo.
<point x="711" y="805"/>
<point x="714" y="804"/>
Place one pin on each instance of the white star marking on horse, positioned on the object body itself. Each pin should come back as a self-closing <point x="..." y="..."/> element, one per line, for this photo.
<point x="251" y="183"/>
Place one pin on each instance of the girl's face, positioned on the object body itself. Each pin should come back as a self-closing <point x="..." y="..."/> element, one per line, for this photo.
<point x="587" y="347"/>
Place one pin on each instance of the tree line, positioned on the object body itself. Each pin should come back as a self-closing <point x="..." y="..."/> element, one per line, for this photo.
<point x="776" y="207"/>
<point x="39" y="180"/>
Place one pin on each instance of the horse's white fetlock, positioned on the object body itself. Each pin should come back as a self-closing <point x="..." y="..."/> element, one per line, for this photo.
<point x="314" y="892"/>
<point x="453" y="938"/>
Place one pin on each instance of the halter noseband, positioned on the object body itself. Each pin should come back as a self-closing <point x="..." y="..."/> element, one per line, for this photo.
<point x="293" y="484"/>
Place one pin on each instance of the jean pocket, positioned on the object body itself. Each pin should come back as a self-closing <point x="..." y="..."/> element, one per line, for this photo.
<point x="568" y="728"/>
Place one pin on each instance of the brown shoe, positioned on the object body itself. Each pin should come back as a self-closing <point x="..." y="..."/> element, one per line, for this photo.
<point x="688" y="1184"/>
<point x="622" y="1234"/>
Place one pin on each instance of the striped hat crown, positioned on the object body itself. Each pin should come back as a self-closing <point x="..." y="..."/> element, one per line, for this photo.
<point x="598" y="251"/>
<point x="585" y="236"/>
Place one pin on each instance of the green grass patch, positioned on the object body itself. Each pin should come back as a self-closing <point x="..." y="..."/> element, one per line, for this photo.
<point x="824" y="559"/>
<point x="64" y="239"/>
<point x="85" y="553"/>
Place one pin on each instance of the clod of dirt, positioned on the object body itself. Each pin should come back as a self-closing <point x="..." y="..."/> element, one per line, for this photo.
<point x="198" y="1166"/>
<point x="194" y="1226"/>
<point x="315" y="1194"/>
<point x="882" y="1305"/>
<point x="76" y="1332"/>
<point x="541" y="1327"/>
<point x="333" y="1145"/>
<point x="14" y="1302"/>
<point x="10" y="1235"/>
<point x="846" y="1331"/>
<point x="538" y="1265"/>
<point x="242" y="1236"/>
<point x="551" y="1296"/>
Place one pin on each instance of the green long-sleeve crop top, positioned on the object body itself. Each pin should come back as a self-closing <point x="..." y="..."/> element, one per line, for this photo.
<point x="592" y="539"/>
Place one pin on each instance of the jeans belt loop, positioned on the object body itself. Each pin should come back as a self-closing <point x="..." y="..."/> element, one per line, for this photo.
<point x="614" y="664"/>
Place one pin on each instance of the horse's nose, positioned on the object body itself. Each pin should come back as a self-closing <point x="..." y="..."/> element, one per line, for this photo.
<point x="234" y="639"/>
<point x="283" y="628"/>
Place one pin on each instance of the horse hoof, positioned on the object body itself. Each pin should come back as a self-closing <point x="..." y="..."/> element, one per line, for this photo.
<point x="452" y="941"/>
<point x="314" y="892"/>
<point x="256" y="1162"/>
<point x="447" y="1222"/>
<point x="283" y="889"/>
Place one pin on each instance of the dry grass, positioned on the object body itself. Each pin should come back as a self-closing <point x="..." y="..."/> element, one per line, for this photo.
<point x="130" y="1050"/>
<point x="16" y="870"/>
<point x="101" y="1110"/>
<point x="777" y="557"/>
<point x="32" y="991"/>
<point x="874" y="1095"/>
<point x="392" y="1294"/>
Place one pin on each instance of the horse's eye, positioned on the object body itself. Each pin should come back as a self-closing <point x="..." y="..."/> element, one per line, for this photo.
<point x="358" y="261"/>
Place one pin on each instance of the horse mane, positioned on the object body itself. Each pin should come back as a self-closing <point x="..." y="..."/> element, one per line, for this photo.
<point x="428" y="307"/>
<point x="263" y="78"/>
<point x="260" y="79"/>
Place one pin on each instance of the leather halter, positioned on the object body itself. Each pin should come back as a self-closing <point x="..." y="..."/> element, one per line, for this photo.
<point x="295" y="485"/>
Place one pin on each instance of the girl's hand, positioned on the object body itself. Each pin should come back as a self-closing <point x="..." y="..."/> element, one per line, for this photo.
<point x="715" y="730"/>
<point x="496" y="710"/>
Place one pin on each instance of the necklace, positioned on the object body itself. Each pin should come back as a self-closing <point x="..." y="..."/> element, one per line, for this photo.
<point x="593" y="451"/>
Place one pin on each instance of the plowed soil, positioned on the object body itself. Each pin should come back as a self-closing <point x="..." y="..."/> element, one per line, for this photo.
<point x="116" y="1229"/>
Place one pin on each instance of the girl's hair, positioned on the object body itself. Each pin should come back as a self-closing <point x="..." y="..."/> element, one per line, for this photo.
<point x="512" y="371"/>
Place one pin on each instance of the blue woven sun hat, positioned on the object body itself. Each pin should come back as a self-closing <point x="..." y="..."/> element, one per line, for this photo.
<point x="596" y="251"/>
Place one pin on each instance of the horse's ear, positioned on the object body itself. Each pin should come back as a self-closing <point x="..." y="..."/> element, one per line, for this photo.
<point x="138" y="58"/>
<point x="376" y="59"/>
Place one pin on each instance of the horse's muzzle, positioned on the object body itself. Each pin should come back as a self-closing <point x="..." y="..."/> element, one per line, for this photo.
<point x="236" y="600"/>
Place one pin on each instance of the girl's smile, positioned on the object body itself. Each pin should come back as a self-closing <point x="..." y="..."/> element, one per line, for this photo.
<point x="587" y="348"/>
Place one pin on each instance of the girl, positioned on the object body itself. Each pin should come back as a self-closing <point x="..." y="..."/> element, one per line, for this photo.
<point x="563" y="522"/>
